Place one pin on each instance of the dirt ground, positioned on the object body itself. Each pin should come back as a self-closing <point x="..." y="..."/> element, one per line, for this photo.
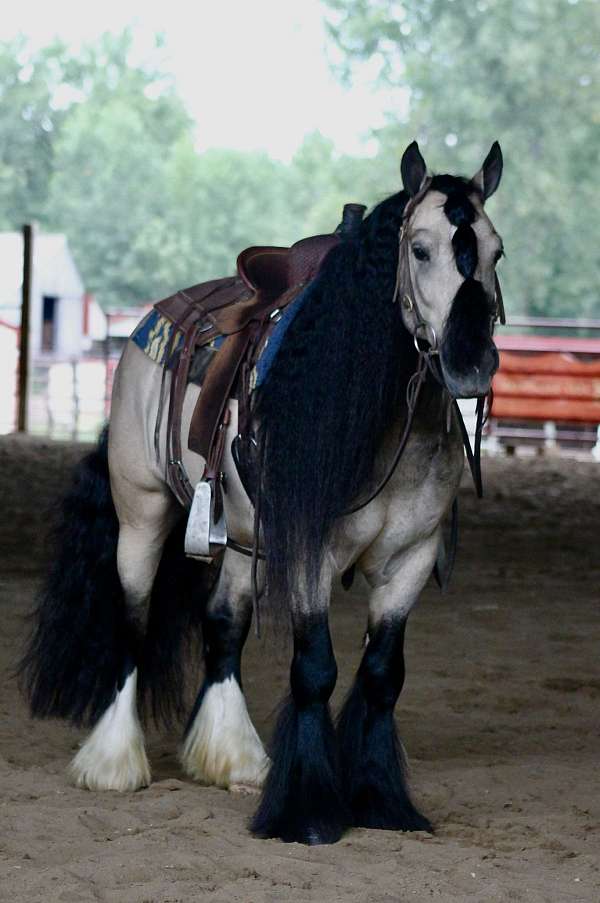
<point x="499" y="715"/>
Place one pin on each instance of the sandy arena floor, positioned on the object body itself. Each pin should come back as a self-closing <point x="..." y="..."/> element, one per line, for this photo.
<point x="499" y="715"/>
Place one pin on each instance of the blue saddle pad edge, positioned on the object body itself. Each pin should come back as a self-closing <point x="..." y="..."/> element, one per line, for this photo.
<point x="271" y="349"/>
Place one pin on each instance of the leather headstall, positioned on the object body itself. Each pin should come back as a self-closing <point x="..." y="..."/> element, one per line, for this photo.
<point x="427" y="343"/>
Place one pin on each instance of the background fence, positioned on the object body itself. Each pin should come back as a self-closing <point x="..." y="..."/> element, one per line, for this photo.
<point x="69" y="398"/>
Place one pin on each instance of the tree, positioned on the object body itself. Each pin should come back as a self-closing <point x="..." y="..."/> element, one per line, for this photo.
<point x="83" y="148"/>
<point x="28" y="125"/>
<point x="525" y="72"/>
<point x="323" y="181"/>
<point x="111" y="162"/>
<point x="108" y="189"/>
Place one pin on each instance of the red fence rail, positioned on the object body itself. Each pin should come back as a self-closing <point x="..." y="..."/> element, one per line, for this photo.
<point x="553" y="380"/>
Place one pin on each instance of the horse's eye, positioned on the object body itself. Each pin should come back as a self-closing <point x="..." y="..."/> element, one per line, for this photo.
<point x="420" y="252"/>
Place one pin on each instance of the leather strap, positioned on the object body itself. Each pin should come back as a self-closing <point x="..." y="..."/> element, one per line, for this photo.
<point x="444" y="574"/>
<point x="195" y="302"/>
<point x="413" y="391"/>
<point x="177" y="477"/>
<point x="216" y="392"/>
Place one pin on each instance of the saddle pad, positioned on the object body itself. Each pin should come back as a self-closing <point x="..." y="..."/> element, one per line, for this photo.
<point x="273" y="343"/>
<point x="154" y="334"/>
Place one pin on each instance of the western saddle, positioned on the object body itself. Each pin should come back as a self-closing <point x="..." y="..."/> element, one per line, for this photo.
<point x="241" y="312"/>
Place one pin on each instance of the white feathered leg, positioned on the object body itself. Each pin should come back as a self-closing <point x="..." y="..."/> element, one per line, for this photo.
<point x="222" y="746"/>
<point x="113" y="757"/>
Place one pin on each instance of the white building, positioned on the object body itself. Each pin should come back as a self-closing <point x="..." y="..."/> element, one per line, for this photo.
<point x="67" y="387"/>
<point x="64" y="320"/>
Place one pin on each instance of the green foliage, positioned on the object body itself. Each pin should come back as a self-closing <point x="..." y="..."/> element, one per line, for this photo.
<point x="28" y="124"/>
<point x="104" y="150"/>
<point x="526" y="72"/>
<point x="324" y="181"/>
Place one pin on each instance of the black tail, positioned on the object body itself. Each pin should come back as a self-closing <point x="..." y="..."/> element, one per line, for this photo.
<point x="81" y="641"/>
<point x="83" y="644"/>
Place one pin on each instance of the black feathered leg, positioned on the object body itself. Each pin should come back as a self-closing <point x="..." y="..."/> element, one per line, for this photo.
<point x="373" y="764"/>
<point x="303" y="800"/>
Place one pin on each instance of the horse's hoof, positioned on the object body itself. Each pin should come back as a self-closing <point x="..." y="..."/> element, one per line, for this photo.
<point x="222" y="747"/>
<point x="404" y="821"/>
<point x="245" y="789"/>
<point x="300" y="831"/>
<point x="125" y="773"/>
<point x="316" y="836"/>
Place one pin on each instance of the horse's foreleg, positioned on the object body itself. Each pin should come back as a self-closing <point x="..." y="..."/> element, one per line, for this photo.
<point x="372" y="758"/>
<point x="302" y="800"/>
<point x="221" y="745"/>
<point x="114" y="757"/>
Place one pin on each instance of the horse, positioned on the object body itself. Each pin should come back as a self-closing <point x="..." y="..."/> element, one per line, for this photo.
<point x="411" y="298"/>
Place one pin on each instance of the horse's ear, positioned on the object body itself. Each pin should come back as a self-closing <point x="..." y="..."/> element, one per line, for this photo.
<point x="413" y="169"/>
<point x="488" y="177"/>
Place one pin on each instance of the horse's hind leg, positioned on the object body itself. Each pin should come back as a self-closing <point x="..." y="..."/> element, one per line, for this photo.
<point x="113" y="757"/>
<point x="221" y="745"/>
<point x="372" y="759"/>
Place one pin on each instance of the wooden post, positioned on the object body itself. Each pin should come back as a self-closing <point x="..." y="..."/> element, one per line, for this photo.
<point x="25" y="328"/>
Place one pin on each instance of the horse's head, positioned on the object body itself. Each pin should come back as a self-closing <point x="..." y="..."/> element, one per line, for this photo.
<point x="447" y="282"/>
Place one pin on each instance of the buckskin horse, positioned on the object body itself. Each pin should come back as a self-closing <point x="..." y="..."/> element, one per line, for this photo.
<point x="385" y="327"/>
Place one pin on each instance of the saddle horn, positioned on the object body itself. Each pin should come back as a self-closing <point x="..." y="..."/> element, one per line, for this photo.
<point x="352" y="217"/>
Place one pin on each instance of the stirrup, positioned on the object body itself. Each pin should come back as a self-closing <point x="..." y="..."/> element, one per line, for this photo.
<point x="205" y="535"/>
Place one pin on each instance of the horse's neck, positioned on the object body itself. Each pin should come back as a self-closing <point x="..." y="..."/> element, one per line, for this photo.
<point x="429" y="425"/>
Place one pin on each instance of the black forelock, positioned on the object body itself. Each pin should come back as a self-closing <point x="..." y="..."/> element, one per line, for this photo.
<point x="464" y="243"/>
<point x="460" y="211"/>
<point x="458" y="207"/>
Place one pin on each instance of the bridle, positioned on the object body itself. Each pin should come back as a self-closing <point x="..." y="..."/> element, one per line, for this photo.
<point x="415" y="323"/>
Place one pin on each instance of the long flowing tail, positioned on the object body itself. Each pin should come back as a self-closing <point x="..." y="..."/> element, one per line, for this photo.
<point x="80" y="639"/>
<point x="83" y="642"/>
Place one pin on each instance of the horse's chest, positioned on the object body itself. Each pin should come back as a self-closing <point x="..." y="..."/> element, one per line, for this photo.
<point x="409" y="509"/>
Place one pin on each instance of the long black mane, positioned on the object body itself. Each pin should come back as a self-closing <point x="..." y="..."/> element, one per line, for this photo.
<point x="336" y="385"/>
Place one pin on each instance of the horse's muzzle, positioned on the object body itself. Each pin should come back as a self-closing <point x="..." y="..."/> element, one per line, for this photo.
<point x="468" y="355"/>
<point x="474" y="381"/>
